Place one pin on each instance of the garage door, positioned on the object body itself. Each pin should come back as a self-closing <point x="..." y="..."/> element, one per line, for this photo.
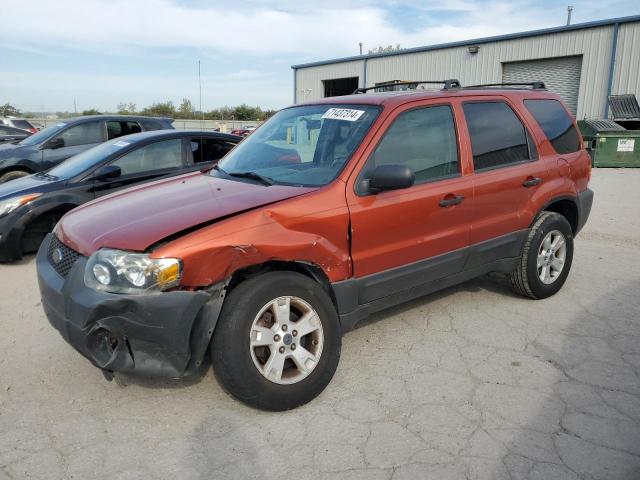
<point x="560" y="75"/>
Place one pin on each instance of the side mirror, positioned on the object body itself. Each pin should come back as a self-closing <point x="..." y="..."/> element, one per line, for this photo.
<point x="54" y="143"/>
<point x="391" y="177"/>
<point x="106" y="172"/>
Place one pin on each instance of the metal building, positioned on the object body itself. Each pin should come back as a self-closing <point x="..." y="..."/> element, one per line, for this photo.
<point x="584" y="63"/>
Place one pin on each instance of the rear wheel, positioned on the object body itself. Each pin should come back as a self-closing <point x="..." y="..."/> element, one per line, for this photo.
<point x="546" y="257"/>
<point x="277" y="344"/>
<point x="13" y="175"/>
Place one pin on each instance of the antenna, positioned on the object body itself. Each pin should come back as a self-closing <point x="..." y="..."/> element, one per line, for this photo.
<point x="569" y="10"/>
<point x="200" y="107"/>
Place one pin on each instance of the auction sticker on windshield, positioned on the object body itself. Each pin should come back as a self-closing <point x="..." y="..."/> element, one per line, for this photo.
<point x="343" y="114"/>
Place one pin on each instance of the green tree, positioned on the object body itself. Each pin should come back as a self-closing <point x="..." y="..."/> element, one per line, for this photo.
<point x="245" y="112"/>
<point x="91" y="111"/>
<point x="387" y="49"/>
<point x="8" y="110"/>
<point x="127" y="108"/>
<point x="185" y="110"/>
<point x="160" y="109"/>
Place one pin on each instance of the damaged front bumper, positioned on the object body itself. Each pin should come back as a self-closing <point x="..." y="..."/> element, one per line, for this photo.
<point x="156" y="335"/>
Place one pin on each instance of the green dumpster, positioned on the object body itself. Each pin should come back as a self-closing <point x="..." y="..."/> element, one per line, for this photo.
<point x="610" y="144"/>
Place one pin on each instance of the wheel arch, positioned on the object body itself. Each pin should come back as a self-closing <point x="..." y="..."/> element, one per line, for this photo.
<point x="309" y="269"/>
<point x="566" y="206"/>
<point x="17" y="167"/>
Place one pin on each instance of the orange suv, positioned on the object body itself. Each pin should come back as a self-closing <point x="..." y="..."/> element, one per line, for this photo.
<point x="330" y="211"/>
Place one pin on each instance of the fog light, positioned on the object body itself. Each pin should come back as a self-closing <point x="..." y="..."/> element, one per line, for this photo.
<point x="102" y="274"/>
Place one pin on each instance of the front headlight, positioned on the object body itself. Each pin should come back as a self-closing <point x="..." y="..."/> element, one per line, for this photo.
<point x="10" y="205"/>
<point x="116" y="271"/>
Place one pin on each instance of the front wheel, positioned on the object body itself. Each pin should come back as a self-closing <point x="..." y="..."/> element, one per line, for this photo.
<point x="277" y="343"/>
<point x="546" y="257"/>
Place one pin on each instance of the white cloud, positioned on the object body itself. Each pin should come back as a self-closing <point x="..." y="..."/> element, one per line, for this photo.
<point x="263" y="28"/>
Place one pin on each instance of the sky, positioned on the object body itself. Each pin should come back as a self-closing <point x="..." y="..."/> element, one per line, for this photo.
<point x="101" y="53"/>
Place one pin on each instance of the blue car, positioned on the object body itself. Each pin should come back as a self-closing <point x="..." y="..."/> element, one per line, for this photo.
<point x="31" y="206"/>
<point x="51" y="146"/>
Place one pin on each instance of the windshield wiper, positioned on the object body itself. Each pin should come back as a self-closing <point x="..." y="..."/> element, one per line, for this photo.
<point x="253" y="176"/>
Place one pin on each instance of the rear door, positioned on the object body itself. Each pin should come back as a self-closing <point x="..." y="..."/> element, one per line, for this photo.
<point x="404" y="238"/>
<point x="149" y="162"/>
<point x="507" y="171"/>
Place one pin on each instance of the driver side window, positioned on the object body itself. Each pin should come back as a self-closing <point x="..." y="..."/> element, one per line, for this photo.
<point x="83" y="134"/>
<point x="423" y="139"/>
<point x="157" y="156"/>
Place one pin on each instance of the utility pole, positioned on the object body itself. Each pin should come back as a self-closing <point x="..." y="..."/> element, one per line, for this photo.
<point x="569" y="10"/>
<point x="75" y="108"/>
<point x="360" y="43"/>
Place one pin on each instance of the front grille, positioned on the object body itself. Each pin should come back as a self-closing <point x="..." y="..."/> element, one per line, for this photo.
<point x="61" y="257"/>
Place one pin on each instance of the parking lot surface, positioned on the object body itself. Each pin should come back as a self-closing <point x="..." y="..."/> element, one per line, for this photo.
<point x="470" y="383"/>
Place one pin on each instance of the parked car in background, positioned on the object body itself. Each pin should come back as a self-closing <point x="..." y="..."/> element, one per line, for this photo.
<point x="38" y="125"/>
<point x="31" y="206"/>
<point x="18" y="123"/>
<point x="244" y="131"/>
<point x="264" y="261"/>
<point x="11" y="134"/>
<point x="54" y="144"/>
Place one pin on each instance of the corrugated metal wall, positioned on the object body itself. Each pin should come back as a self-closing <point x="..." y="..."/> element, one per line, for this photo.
<point x="594" y="44"/>
<point x="627" y="69"/>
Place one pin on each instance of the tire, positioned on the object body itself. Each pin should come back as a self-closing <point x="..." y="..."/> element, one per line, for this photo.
<point x="241" y="351"/>
<point x="530" y="278"/>
<point x="12" y="175"/>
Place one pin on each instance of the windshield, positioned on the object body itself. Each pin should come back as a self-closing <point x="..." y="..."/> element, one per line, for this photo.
<point x="42" y="135"/>
<point x="305" y="146"/>
<point x="88" y="159"/>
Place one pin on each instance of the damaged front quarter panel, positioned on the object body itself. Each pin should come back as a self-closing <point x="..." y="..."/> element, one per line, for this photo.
<point x="302" y="230"/>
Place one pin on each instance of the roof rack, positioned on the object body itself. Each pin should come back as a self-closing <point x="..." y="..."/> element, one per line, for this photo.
<point x="447" y="84"/>
<point x="534" y="85"/>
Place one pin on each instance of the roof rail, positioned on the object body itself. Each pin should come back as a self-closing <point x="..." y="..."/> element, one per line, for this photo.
<point x="447" y="84"/>
<point x="533" y="85"/>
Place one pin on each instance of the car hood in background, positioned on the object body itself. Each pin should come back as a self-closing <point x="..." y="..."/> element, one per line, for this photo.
<point x="9" y="150"/>
<point x="25" y="185"/>
<point x="139" y="217"/>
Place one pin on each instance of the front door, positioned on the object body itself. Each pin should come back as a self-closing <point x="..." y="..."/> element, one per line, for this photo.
<point x="403" y="238"/>
<point x="75" y="139"/>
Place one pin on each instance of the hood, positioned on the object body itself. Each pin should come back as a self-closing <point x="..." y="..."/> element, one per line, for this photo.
<point x="136" y="218"/>
<point x="8" y="150"/>
<point x="25" y="185"/>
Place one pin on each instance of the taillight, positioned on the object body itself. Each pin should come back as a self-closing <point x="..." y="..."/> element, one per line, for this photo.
<point x="33" y="130"/>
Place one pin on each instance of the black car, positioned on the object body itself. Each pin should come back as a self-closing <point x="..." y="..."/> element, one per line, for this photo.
<point x="12" y="134"/>
<point x="67" y="138"/>
<point x="31" y="206"/>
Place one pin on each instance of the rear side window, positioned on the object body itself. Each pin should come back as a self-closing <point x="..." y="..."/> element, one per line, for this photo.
<point x="209" y="149"/>
<point x="117" y="129"/>
<point x="556" y="124"/>
<point x="423" y="139"/>
<point x="153" y="125"/>
<point x="498" y="138"/>
<point x="22" y="124"/>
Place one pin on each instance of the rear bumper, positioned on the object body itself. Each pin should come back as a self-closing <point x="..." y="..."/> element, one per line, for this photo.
<point x="158" y="335"/>
<point x="585" y="201"/>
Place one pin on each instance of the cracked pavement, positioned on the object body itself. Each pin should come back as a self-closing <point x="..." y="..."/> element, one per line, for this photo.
<point x="470" y="383"/>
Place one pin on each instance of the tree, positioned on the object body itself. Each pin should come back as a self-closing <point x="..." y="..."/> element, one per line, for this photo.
<point x="8" y="110"/>
<point x="160" y="109"/>
<point x="185" y="110"/>
<point x="127" y="108"/>
<point x="387" y="49"/>
<point x="91" y="111"/>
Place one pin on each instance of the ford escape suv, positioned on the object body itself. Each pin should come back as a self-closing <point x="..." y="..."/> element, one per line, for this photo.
<point x="330" y="211"/>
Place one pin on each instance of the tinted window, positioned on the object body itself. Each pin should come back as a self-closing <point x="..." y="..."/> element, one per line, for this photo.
<point x="153" y="125"/>
<point x="209" y="149"/>
<point x="117" y="129"/>
<point x="43" y="135"/>
<point x="157" y="156"/>
<point x="83" y="134"/>
<point x="556" y="124"/>
<point x="22" y="124"/>
<point x="498" y="137"/>
<point x="423" y="139"/>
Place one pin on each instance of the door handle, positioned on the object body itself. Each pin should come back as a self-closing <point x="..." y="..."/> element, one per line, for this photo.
<point x="451" y="200"/>
<point x="532" y="182"/>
